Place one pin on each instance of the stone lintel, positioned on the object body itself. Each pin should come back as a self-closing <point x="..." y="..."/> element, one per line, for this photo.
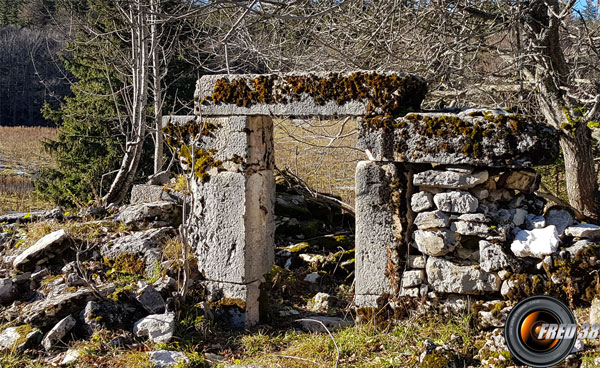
<point x="477" y="137"/>
<point x="326" y="94"/>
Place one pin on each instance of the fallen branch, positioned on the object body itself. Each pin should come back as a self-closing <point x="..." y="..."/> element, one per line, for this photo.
<point x="301" y="185"/>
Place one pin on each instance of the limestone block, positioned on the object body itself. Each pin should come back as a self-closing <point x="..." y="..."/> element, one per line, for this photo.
<point x="238" y="304"/>
<point x="522" y="180"/>
<point x="146" y="193"/>
<point x="446" y="277"/>
<point x="449" y="179"/>
<point x="562" y="219"/>
<point x="491" y="138"/>
<point x="413" y="278"/>
<point x="588" y="231"/>
<point x="279" y="99"/>
<point x="492" y="257"/>
<point x="375" y="229"/>
<point x="435" y="242"/>
<point x="421" y="201"/>
<point x="456" y="201"/>
<point x="431" y="219"/>
<point x="416" y="261"/>
<point x="377" y="143"/>
<point x="233" y="228"/>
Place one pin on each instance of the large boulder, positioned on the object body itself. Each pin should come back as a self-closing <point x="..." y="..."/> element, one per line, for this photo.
<point x="48" y="247"/>
<point x="446" y="277"/>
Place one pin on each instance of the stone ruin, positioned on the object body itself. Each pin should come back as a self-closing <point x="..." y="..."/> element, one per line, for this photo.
<point x="445" y="203"/>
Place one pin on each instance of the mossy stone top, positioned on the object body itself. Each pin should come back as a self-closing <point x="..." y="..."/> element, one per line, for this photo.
<point x="309" y="94"/>
<point x="478" y="137"/>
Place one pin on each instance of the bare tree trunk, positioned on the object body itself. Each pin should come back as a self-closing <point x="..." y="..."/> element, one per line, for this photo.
<point x="580" y="172"/>
<point x="157" y="87"/>
<point x="139" y="98"/>
<point x="552" y="78"/>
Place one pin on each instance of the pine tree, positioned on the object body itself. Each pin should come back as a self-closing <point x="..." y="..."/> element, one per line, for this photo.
<point x="89" y="141"/>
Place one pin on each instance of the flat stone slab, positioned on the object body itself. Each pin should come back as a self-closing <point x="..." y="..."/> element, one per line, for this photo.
<point x="309" y="94"/>
<point x="478" y="137"/>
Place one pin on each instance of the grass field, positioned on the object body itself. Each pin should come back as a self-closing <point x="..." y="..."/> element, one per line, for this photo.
<point x="21" y="156"/>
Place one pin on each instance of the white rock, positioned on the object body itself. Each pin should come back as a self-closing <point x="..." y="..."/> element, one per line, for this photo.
<point x="595" y="311"/>
<point x="535" y="243"/>
<point x="588" y="231"/>
<point x="157" y="327"/>
<point x="46" y="247"/>
<point x="435" y="243"/>
<point x="413" y="278"/>
<point x="320" y="302"/>
<point x="432" y="219"/>
<point x="449" y="179"/>
<point x="456" y="201"/>
<point x="492" y="257"/>
<point x="71" y="356"/>
<point x="421" y="201"/>
<point x="166" y="358"/>
<point x="58" y="332"/>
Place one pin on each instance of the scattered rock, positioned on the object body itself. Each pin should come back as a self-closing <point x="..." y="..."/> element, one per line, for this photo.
<point x="320" y="302"/>
<point x="17" y="339"/>
<point x="493" y="315"/>
<point x="446" y="277"/>
<point x="519" y="217"/>
<point x="144" y="245"/>
<point x="421" y="201"/>
<point x="31" y="216"/>
<point x="312" y="277"/>
<point x="158" y="328"/>
<point x="107" y="314"/>
<point x="44" y="249"/>
<point x="156" y="214"/>
<point x="166" y="358"/>
<point x="595" y="311"/>
<point x="145" y="193"/>
<point x="71" y="356"/>
<point x="449" y="179"/>
<point x="456" y="201"/>
<point x="58" y="332"/>
<point x="535" y="243"/>
<point x="435" y="243"/>
<point x="151" y="299"/>
<point x="8" y="291"/>
<point x="534" y="222"/>
<point x="588" y="231"/>
<point x="49" y="311"/>
<point x="559" y="218"/>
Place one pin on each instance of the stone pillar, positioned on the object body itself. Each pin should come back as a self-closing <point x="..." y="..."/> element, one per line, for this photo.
<point x="379" y="186"/>
<point x="232" y="227"/>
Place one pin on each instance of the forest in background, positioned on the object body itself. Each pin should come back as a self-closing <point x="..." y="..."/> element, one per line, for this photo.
<point x="105" y="72"/>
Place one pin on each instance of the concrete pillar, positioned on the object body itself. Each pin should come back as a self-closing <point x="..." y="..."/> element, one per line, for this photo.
<point x="232" y="227"/>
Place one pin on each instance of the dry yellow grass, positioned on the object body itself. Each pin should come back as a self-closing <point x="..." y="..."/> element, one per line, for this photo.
<point x="322" y="153"/>
<point x="21" y="155"/>
<point x="21" y="147"/>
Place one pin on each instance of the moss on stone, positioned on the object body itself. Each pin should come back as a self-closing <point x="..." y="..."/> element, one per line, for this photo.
<point x="128" y="263"/>
<point x="389" y="94"/>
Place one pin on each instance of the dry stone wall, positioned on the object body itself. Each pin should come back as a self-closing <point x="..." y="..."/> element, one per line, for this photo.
<point x="445" y="205"/>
